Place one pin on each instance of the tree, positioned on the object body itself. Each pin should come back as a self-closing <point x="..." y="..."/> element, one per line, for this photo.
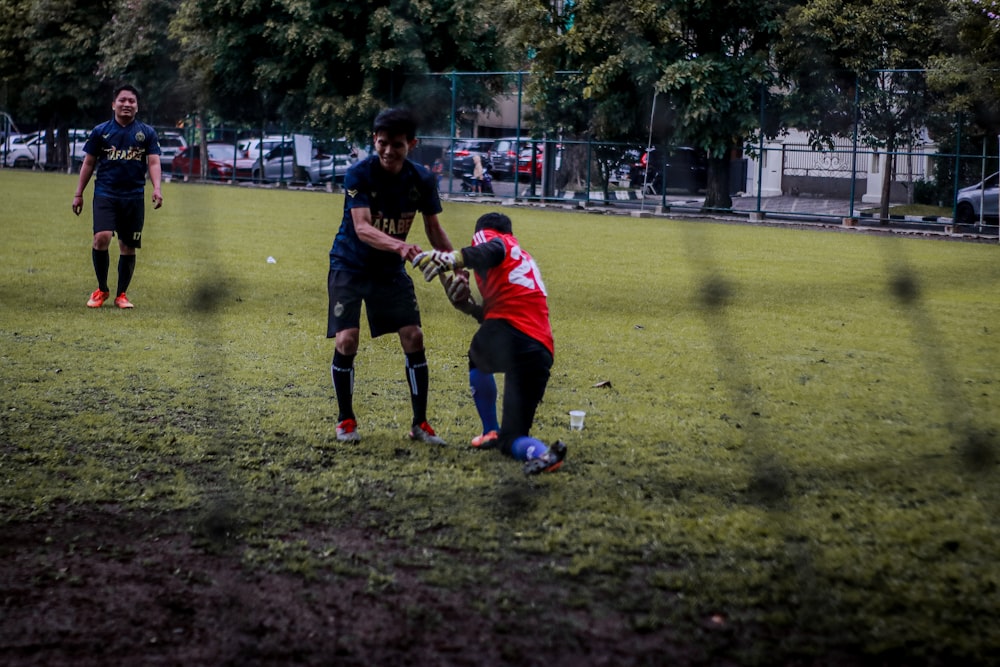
<point x="603" y="51"/>
<point x="968" y="67"/>
<point x="704" y="64"/>
<point x="861" y="61"/>
<point x="333" y="64"/>
<point x="136" y="48"/>
<point x="53" y="66"/>
<point x="13" y="48"/>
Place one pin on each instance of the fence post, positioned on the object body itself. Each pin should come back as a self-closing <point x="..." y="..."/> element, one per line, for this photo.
<point x="760" y="152"/>
<point x="854" y="149"/>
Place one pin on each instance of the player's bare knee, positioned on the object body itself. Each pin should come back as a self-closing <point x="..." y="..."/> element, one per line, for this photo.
<point x="411" y="339"/>
<point x="102" y="240"/>
<point x="347" y="341"/>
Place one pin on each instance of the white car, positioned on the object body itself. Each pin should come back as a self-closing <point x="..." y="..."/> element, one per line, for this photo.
<point x="982" y="197"/>
<point x="34" y="151"/>
<point x="15" y="142"/>
<point x="171" y="143"/>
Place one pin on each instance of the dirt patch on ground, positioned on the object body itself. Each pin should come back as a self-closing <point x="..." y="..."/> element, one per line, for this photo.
<point x="113" y="589"/>
<point x="106" y="588"/>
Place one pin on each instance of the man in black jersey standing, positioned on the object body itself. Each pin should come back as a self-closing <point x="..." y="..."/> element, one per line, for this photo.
<point x="383" y="194"/>
<point x="121" y="150"/>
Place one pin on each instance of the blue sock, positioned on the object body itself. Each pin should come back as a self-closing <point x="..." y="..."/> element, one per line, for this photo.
<point x="484" y="395"/>
<point x="526" y="448"/>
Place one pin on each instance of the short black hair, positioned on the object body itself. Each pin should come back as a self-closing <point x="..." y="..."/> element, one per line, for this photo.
<point x="495" y="221"/>
<point x="395" y="122"/>
<point x="126" y="86"/>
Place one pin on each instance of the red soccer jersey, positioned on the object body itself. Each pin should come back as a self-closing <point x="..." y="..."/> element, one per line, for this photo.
<point x="514" y="291"/>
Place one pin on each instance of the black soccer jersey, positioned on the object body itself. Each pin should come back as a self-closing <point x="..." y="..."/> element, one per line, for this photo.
<point x="394" y="200"/>
<point x="121" y="157"/>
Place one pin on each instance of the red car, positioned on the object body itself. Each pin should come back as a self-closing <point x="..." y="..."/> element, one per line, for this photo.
<point x="524" y="161"/>
<point x="220" y="162"/>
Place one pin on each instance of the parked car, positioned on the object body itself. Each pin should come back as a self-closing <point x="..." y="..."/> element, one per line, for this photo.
<point x="279" y="165"/>
<point x="33" y="149"/>
<point x="526" y="161"/>
<point x="219" y="157"/>
<point x="171" y="143"/>
<point x="504" y="155"/>
<point x="11" y="143"/>
<point x="686" y="169"/>
<point x="252" y="148"/>
<point x="14" y="140"/>
<point x="982" y="196"/>
<point x="462" y="155"/>
<point x="344" y="155"/>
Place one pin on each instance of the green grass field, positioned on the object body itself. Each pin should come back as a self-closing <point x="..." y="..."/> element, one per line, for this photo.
<point x="792" y="456"/>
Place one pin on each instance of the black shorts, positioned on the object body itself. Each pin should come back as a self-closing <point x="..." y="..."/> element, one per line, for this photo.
<point x="122" y="216"/>
<point x="497" y="347"/>
<point x="391" y="304"/>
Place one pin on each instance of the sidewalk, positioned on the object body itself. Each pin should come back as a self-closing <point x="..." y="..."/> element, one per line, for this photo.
<point x="838" y="212"/>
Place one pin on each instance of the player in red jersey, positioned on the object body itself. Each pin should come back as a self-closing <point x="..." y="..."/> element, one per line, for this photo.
<point x="514" y="338"/>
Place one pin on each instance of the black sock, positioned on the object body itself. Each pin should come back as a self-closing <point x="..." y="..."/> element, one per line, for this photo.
<point x="102" y="260"/>
<point x="418" y="379"/>
<point x="126" y="267"/>
<point x="342" y="373"/>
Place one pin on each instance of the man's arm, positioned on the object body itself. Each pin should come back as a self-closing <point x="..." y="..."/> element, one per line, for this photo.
<point x="86" y="171"/>
<point x="479" y="258"/>
<point x="376" y="238"/>
<point x="436" y="234"/>
<point x="155" y="172"/>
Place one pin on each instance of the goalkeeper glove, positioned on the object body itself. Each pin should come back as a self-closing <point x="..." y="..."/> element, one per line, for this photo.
<point x="456" y="287"/>
<point x="433" y="262"/>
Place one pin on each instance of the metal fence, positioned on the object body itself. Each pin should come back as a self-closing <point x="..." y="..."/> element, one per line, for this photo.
<point x="785" y="175"/>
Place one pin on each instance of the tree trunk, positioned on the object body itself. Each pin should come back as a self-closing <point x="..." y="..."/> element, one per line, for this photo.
<point x="886" y="183"/>
<point x="203" y="149"/>
<point x="717" y="189"/>
<point x="63" y="155"/>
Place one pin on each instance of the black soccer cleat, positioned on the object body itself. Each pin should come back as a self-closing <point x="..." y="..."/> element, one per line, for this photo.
<point x="547" y="462"/>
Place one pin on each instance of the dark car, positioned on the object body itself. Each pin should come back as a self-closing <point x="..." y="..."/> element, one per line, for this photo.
<point x="504" y="155"/>
<point x="685" y="168"/>
<point x="465" y="150"/>
<point x="220" y="162"/>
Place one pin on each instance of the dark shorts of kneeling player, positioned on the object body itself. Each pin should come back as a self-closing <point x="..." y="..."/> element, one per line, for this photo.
<point x="497" y="347"/>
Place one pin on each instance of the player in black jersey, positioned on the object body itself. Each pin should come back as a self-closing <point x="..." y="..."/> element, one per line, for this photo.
<point x="121" y="150"/>
<point x="384" y="194"/>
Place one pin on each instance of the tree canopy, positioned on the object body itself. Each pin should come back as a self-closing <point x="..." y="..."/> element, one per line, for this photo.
<point x="674" y="71"/>
<point x="329" y="65"/>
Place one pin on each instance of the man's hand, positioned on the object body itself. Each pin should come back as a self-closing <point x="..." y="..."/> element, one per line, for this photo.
<point x="456" y="286"/>
<point x="433" y="262"/>
<point x="77" y="204"/>
<point x="157" y="199"/>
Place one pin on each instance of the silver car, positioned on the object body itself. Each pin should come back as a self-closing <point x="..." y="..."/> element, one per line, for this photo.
<point x="978" y="202"/>
<point x="279" y="165"/>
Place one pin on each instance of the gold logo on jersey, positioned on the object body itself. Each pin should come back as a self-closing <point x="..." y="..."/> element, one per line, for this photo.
<point x="352" y="193"/>
<point x="140" y="136"/>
